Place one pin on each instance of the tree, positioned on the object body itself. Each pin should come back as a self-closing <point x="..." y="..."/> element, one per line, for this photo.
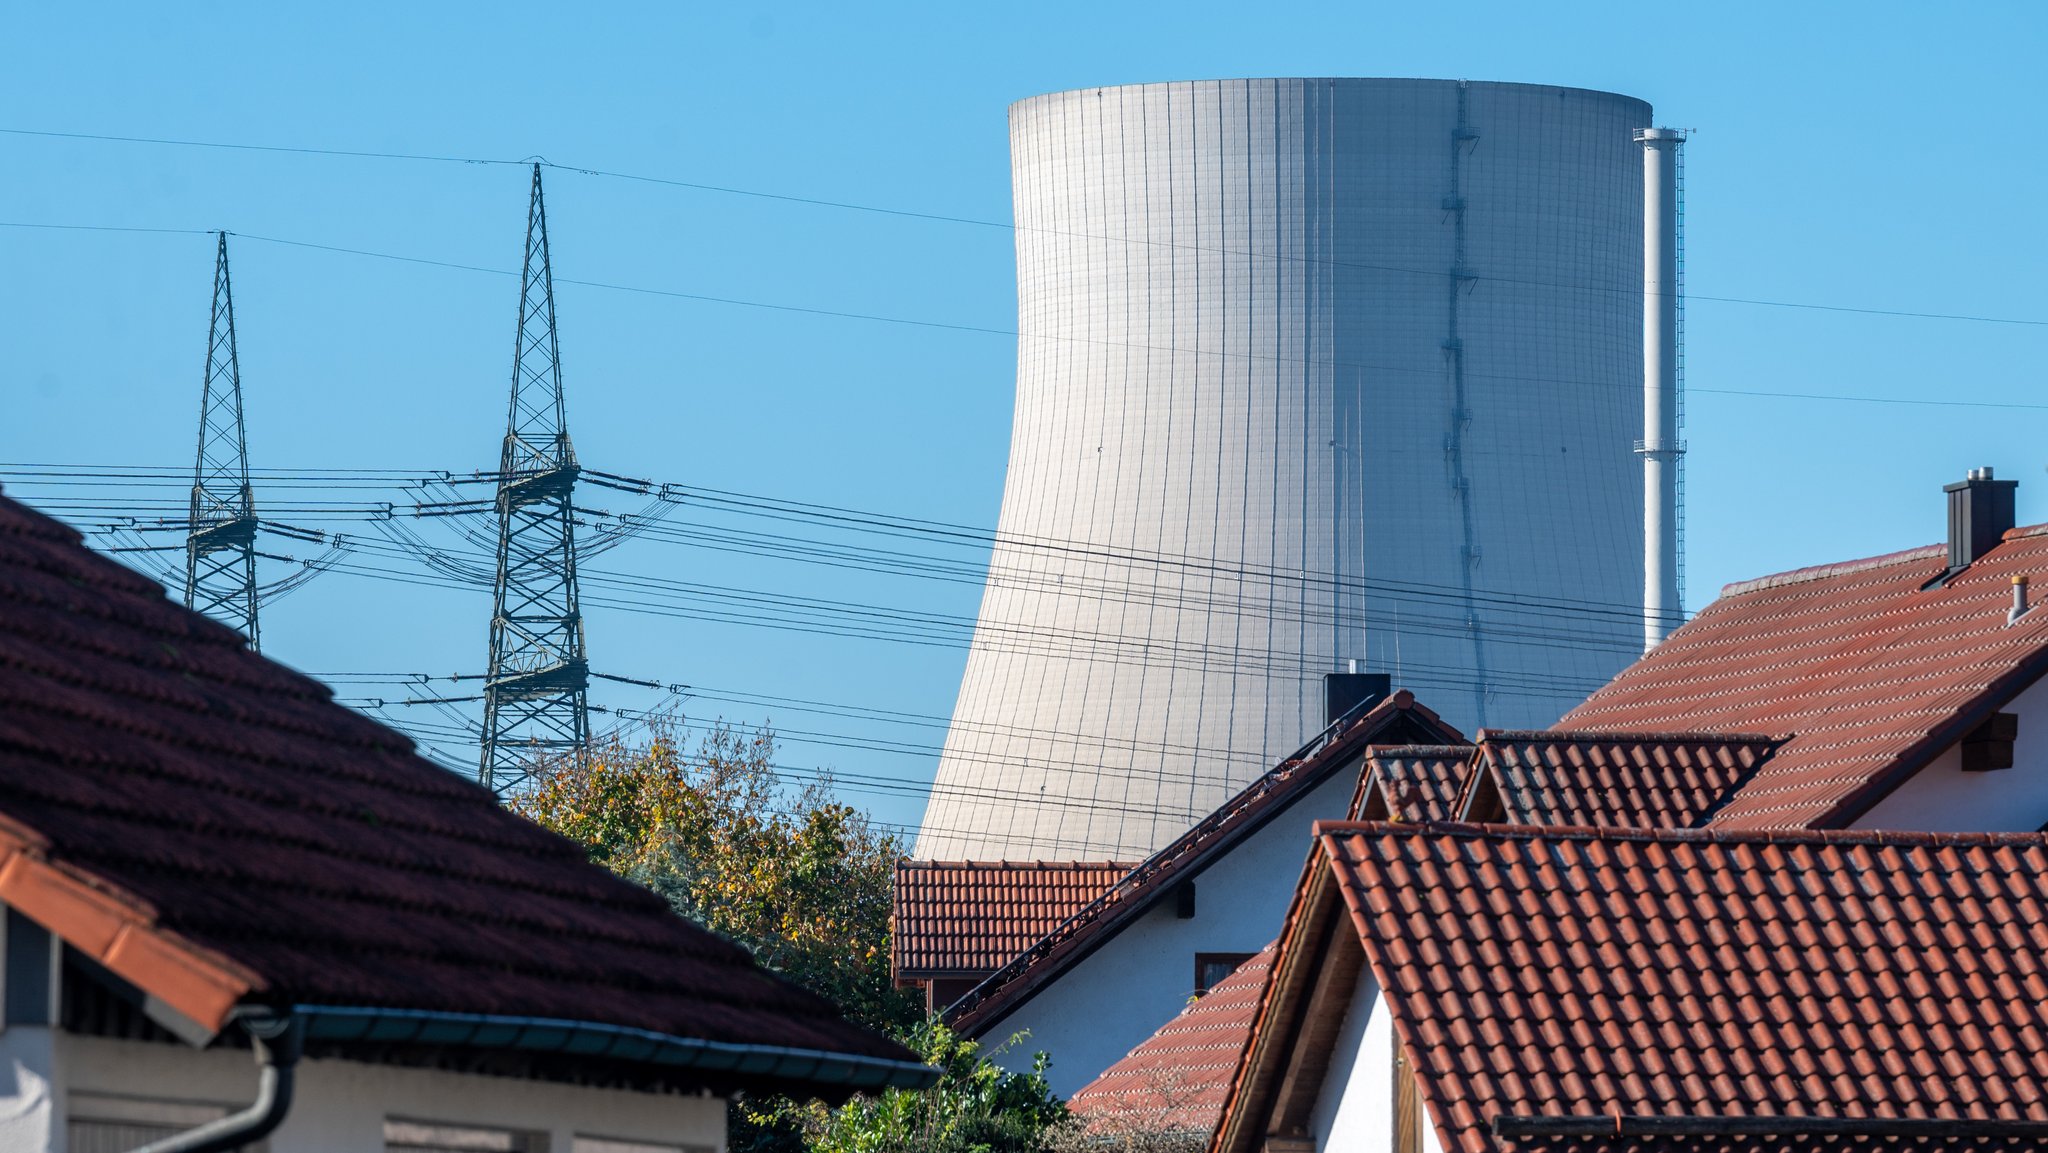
<point x="802" y="882"/>
<point x="976" y="1107"/>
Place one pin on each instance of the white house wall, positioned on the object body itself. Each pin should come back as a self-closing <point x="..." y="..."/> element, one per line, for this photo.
<point x="1349" y="1113"/>
<point x="341" y="1106"/>
<point x="1354" y="1109"/>
<point x="1942" y="798"/>
<point x="1100" y="1009"/>
<point x="1389" y="413"/>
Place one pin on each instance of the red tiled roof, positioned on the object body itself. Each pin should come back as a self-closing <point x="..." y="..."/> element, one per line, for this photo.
<point x="1179" y="1077"/>
<point x="972" y="916"/>
<point x="1397" y="719"/>
<point x="1869" y="674"/>
<point x="1583" y="973"/>
<point x="210" y="826"/>
<point x="1412" y="782"/>
<point x="1615" y="780"/>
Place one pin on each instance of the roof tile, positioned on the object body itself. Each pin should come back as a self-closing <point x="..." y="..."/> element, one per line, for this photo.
<point x="973" y="916"/>
<point x="1178" y="1078"/>
<point x="241" y="812"/>
<point x="1868" y="673"/>
<point x="1754" y="1042"/>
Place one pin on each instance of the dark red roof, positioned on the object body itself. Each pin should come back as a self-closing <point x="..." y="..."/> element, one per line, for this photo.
<point x="1178" y="1077"/>
<point x="1613" y="780"/>
<point x="212" y="827"/>
<point x="1398" y="719"/>
<point x="1412" y="782"/>
<point x="1870" y="674"/>
<point x="954" y="917"/>
<point x="1584" y="973"/>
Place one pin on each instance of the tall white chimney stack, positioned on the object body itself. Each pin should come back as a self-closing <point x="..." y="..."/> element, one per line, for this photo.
<point x="1660" y="447"/>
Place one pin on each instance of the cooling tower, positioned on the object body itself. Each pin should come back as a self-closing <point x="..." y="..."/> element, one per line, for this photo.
<point x="1309" y="371"/>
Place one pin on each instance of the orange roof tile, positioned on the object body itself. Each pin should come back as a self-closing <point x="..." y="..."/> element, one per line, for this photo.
<point x="1704" y="973"/>
<point x="954" y="917"/>
<point x="1412" y="782"/>
<point x="1179" y="1077"/>
<point x="1614" y="780"/>
<point x="1870" y="674"/>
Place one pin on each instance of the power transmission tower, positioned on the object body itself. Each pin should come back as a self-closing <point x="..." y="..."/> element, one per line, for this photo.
<point x="534" y="695"/>
<point x="220" y="541"/>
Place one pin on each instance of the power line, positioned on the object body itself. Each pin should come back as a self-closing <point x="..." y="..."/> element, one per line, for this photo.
<point x="1007" y="226"/>
<point x="989" y="330"/>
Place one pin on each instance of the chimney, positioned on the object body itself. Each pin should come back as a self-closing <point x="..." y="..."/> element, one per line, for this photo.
<point x="1980" y="509"/>
<point x="1345" y="693"/>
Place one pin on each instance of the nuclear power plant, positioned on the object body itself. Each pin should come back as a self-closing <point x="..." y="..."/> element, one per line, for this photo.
<point x="1312" y="374"/>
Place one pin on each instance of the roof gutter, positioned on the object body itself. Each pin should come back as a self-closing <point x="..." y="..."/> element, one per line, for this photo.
<point x="1641" y="1125"/>
<point x="595" y="1039"/>
<point x="277" y="1042"/>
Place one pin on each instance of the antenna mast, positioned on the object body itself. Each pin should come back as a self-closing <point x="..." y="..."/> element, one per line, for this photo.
<point x="220" y="542"/>
<point x="535" y="709"/>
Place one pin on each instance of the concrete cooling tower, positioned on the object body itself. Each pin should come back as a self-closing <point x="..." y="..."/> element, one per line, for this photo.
<point x="1309" y="371"/>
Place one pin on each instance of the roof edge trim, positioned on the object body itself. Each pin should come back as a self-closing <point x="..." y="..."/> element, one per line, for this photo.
<point x="597" y="1039"/>
<point x="1328" y="830"/>
<point x="121" y="935"/>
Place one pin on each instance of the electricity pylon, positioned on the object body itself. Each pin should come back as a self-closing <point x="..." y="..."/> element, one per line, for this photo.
<point x="535" y="708"/>
<point x="220" y="541"/>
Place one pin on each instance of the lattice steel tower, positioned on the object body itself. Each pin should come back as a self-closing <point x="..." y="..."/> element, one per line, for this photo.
<point x="220" y="542"/>
<point x="534" y="696"/>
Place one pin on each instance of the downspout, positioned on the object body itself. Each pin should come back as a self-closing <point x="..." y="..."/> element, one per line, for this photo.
<point x="277" y="1041"/>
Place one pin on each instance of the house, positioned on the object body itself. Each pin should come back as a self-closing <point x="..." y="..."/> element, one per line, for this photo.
<point x="1103" y="979"/>
<point x="1479" y="988"/>
<point x="1177" y="1079"/>
<point x="956" y="922"/>
<point x="205" y="860"/>
<point x="1907" y="686"/>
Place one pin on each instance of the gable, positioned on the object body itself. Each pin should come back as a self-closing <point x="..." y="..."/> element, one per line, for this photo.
<point x="1399" y="718"/>
<point x="1537" y="973"/>
<point x="1610" y="780"/>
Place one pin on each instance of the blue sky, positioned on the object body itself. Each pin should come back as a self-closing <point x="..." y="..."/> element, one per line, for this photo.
<point x="1873" y="156"/>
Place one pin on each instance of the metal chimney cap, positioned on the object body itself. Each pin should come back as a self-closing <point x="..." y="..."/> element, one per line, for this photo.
<point x="1981" y="473"/>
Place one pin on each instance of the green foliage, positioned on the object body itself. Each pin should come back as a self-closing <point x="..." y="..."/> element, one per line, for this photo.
<point x="975" y="1108"/>
<point x="802" y="882"/>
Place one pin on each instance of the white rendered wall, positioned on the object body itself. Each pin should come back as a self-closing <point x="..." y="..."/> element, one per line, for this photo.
<point x="1942" y="798"/>
<point x="1239" y="343"/>
<point x="1355" y="1107"/>
<point x="1100" y="1009"/>
<point x="341" y="1106"/>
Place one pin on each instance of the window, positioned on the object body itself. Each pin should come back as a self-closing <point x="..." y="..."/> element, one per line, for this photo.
<point x="1213" y="967"/>
<point x="106" y="1123"/>
<point x="616" y="1145"/>
<point x="432" y="1137"/>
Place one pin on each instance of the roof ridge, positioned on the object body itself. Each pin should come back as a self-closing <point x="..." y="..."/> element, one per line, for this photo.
<point x="1619" y="736"/>
<point x="1383" y="750"/>
<point x="1835" y="569"/>
<point x="971" y="864"/>
<point x="1709" y="835"/>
